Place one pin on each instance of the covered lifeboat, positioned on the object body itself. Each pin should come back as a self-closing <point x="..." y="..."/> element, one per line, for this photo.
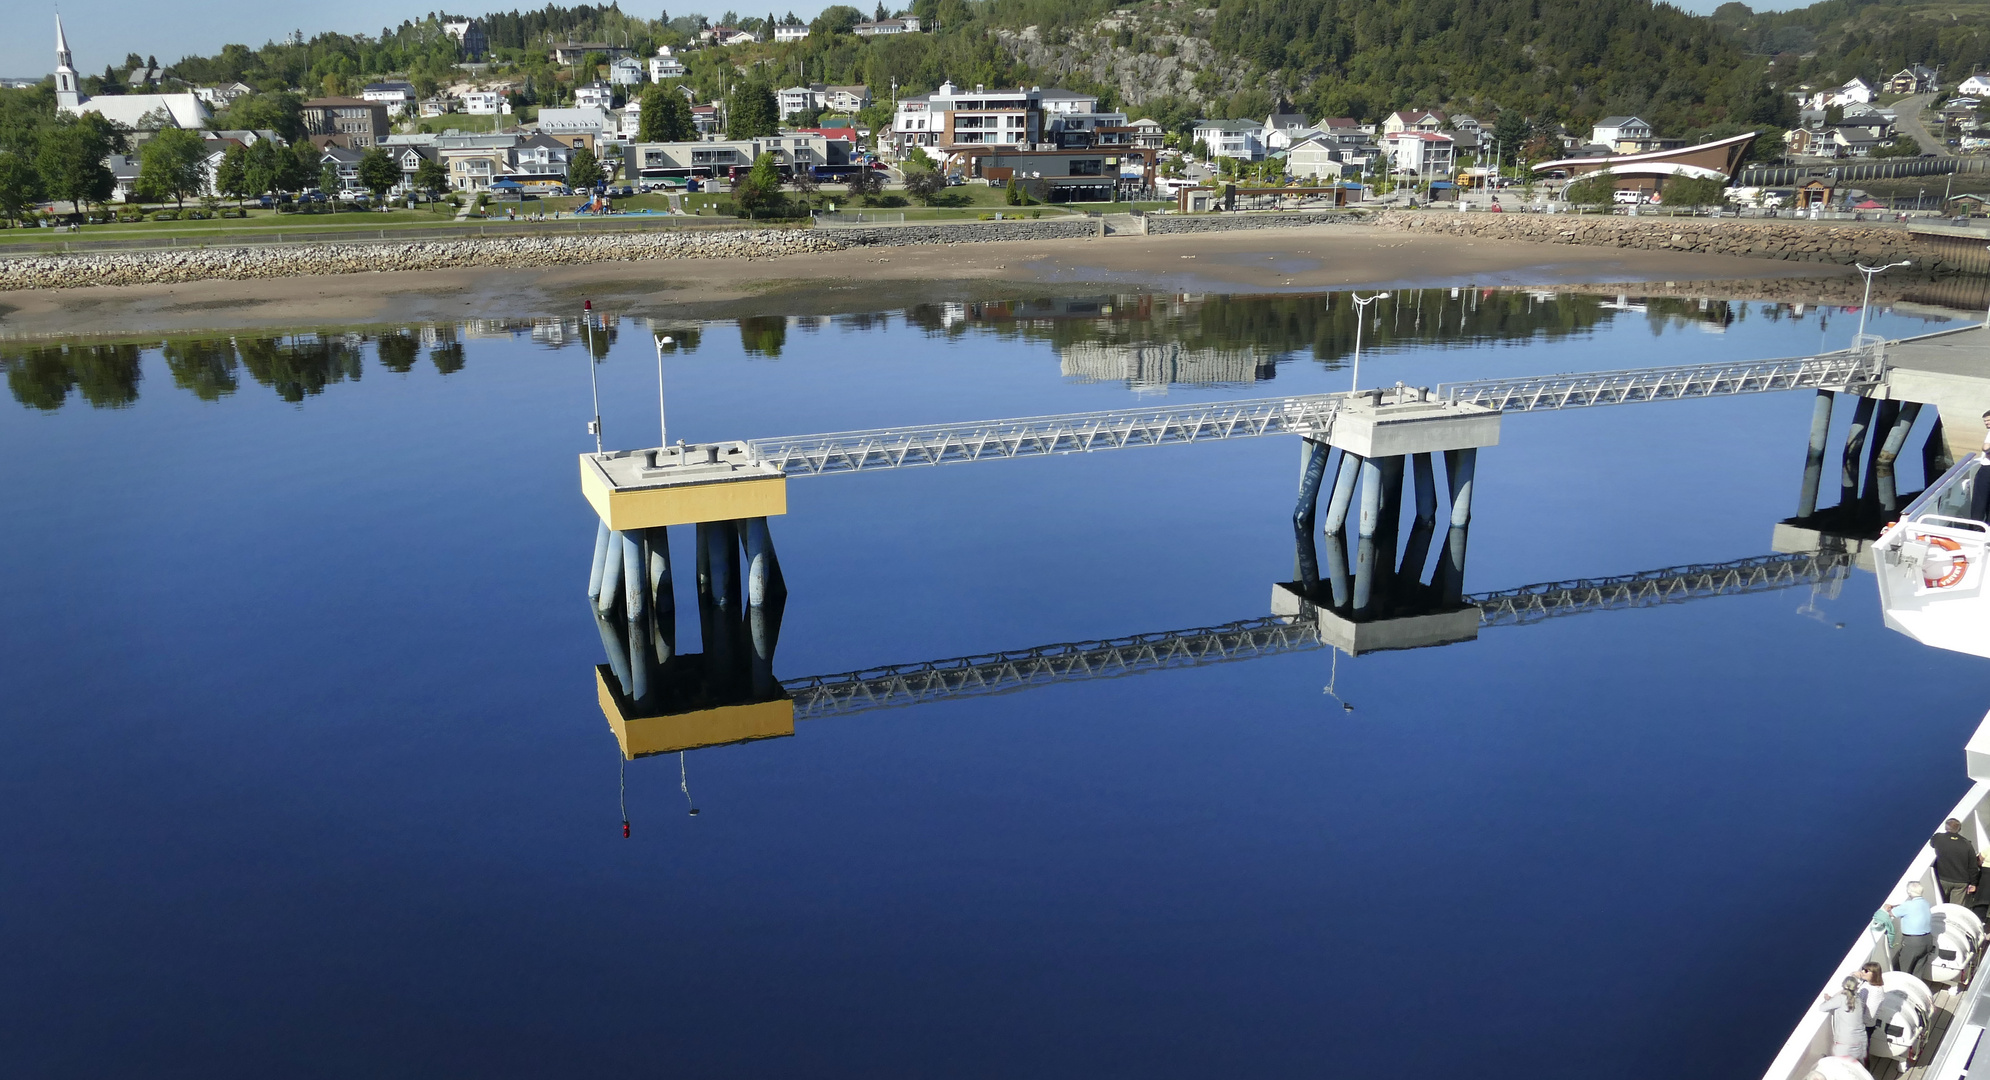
<point x="1931" y="563"/>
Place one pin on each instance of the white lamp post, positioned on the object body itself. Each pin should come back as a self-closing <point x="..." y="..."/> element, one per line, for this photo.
<point x="1361" y="316"/>
<point x="1872" y="272"/>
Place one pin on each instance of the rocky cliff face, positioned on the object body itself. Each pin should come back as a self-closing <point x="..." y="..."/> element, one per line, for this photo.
<point x="1142" y="55"/>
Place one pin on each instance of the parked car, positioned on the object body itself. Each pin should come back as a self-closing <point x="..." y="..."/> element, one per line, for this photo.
<point x="1624" y="196"/>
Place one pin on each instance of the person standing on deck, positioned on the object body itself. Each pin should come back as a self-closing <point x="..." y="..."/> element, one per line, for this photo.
<point x="1916" y="938"/>
<point x="1955" y="863"/>
<point x="1871" y="993"/>
<point x="1848" y="1020"/>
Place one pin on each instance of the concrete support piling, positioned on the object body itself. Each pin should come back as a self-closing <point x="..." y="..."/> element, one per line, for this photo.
<point x="1390" y="531"/>
<point x="657" y="542"/>
<point x="663" y="599"/>
<point x="1371" y="499"/>
<point x="1309" y="484"/>
<point x="1460" y="468"/>
<point x="1343" y="492"/>
<point x="764" y="624"/>
<point x="1855" y="444"/>
<point x="1451" y="568"/>
<point x="1365" y="527"/>
<point x="1813" y="462"/>
<point x="1305" y="559"/>
<point x="618" y="654"/>
<point x="763" y="568"/>
<point x="641" y="669"/>
<point x="1337" y="576"/>
<point x="1885" y="414"/>
<point x="1426" y="489"/>
<point x="611" y="575"/>
<point x="1417" y="551"/>
<point x="600" y="561"/>
<point x="1889" y="452"/>
<point x="634" y="578"/>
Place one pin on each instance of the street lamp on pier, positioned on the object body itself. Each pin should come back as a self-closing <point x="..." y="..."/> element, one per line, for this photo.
<point x="1866" y="305"/>
<point x="1361" y="316"/>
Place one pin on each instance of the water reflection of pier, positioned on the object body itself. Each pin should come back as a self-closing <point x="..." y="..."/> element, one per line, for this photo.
<point x="728" y="694"/>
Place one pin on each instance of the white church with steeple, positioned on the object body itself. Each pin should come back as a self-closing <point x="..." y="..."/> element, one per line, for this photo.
<point x="139" y="112"/>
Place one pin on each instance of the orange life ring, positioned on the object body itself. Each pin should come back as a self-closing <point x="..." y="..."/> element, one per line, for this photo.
<point x="1958" y="564"/>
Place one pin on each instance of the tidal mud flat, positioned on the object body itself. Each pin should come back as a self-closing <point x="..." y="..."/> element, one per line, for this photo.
<point x="796" y="275"/>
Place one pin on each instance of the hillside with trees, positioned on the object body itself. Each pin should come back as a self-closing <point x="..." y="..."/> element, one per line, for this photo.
<point x="1836" y="40"/>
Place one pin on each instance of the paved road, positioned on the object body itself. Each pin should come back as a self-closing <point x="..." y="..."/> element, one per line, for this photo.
<point x="1908" y="113"/>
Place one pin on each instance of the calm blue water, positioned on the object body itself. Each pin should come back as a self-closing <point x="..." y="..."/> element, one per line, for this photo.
<point x="302" y="772"/>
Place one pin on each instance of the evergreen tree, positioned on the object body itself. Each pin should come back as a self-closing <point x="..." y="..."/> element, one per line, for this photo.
<point x="583" y="169"/>
<point x="751" y="112"/>
<point x="665" y="116"/>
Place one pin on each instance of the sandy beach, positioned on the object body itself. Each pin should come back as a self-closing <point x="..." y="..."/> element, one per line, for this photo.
<point x="1252" y="261"/>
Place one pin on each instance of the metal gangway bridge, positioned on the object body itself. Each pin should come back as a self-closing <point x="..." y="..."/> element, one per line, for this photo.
<point x="899" y="685"/>
<point x="1077" y="433"/>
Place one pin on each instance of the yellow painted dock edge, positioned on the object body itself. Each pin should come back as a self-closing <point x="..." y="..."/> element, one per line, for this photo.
<point x="640" y="736"/>
<point x="684" y="504"/>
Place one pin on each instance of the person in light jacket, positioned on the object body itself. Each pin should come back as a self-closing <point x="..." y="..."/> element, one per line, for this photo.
<point x="1848" y="1020"/>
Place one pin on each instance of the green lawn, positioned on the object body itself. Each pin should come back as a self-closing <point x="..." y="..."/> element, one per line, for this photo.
<point x="258" y="221"/>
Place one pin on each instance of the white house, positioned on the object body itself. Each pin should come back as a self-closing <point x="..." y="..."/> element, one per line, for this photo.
<point x="1242" y="139"/>
<point x="796" y="32"/>
<point x="1280" y="128"/>
<point x="595" y="95"/>
<point x="1623" y="134"/>
<point x="795" y="100"/>
<point x="883" y="27"/>
<point x="393" y="93"/>
<point x="1424" y="154"/>
<point x="481" y="102"/>
<point x="1975" y="86"/>
<point x="222" y="96"/>
<point x="665" y="66"/>
<point x="846" y="99"/>
<point x="1855" y="91"/>
<point x="625" y="71"/>
<point x="1414" y="120"/>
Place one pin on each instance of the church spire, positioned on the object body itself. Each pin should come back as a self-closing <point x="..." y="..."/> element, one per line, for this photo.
<point x="67" y="94"/>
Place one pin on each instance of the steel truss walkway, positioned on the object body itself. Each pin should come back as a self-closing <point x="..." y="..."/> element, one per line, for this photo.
<point x="1077" y="433"/>
<point x="1828" y="371"/>
<point x="900" y="685"/>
